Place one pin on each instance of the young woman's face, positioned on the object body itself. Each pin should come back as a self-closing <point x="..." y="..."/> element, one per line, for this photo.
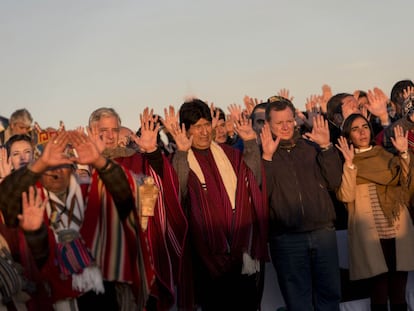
<point x="360" y="133"/>
<point x="21" y="153"/>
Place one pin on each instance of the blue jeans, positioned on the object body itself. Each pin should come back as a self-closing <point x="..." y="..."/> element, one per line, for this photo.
<point x="307" y="269"/>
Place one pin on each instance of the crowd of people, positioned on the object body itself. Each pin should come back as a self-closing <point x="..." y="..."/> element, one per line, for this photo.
<point x="186" y="210"/>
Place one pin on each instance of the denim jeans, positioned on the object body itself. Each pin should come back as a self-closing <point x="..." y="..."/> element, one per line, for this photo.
<point x="307" y="269"/>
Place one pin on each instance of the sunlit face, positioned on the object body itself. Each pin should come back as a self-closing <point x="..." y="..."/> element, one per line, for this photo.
<point x="108" y="130"/>
<point x="360" y="135"/>
<point x="21" y="153"/>
<point x="282" y="123"/>
<point x="202" y="134"/>
<point x="19" y="128"/>
<point x="221" y="132"/>
<point x="58" y="179"/>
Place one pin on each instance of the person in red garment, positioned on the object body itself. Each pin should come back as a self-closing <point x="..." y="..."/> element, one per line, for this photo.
<point x="147" y="262"/>
<point x="226" y="211"/>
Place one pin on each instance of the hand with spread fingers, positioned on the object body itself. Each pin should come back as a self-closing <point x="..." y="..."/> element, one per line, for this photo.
<point x="178" y="132"/>
<point x="243" y="128"/>
<point x="5" y="164"/>
<point x="347" y="150"/>
<point x="400" y="139"/>
<point x="33" y="208"/>
<point x="87" y="152"/>
<point x="53" y="154"/>
<point x="320" y="131"/>
<point x="269" y="145"/>
<point x="149" y="131"/>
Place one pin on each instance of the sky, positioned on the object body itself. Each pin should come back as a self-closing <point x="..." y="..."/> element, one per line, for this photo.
<point x="61" y="60"/>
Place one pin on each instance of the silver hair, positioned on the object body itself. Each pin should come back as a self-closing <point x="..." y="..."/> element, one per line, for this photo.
<point x="102" y="113"/>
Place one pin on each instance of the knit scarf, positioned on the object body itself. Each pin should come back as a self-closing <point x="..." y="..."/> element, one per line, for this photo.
<point x="383" y="169"/>
<point x="70" y="215"/>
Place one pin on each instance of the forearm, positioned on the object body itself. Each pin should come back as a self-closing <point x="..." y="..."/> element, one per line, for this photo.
<point x="155" y="159"/>
<point x="118" y="186"/>
<point x="252" y="158"/>
<point x="11" y="190"/>
<point x="38" y="244"/>
<point x="182" y="168"/>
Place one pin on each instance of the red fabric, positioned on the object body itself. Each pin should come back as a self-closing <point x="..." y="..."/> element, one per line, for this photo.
<point x="217" y="230"/>
<point x="60" y="288"/>
<point x="166" y="232"/>
<point x="22" y="254"/>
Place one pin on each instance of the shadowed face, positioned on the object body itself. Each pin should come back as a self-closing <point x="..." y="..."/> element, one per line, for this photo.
<point x="57" y="180"/>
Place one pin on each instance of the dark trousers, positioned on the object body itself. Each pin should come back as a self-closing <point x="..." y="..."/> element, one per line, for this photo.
<point x="231" y="291"/>
<point x="107" y="301"/>
<point x="307" y="268"/>
<point x="390" y="285"/>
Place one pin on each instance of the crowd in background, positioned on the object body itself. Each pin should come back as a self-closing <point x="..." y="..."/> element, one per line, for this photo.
<point x="186" y="209"/>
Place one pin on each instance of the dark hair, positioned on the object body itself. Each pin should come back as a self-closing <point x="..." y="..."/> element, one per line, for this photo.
<point x="222" y="115"/>
<point x="278" y="103"/>
<point x="16" y="138"/>
<point x="347" y="127"/>
<point x="361" y="94"/>
<point x="334" y="105"/>
<point x="192" y="111"/>
<point x="397" y="91"/>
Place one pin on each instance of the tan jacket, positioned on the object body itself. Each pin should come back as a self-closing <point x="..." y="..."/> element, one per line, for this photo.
<point x="366" y="258"/>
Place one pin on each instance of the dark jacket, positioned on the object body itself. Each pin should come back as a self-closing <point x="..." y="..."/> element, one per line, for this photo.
<point x="298" y="179"/>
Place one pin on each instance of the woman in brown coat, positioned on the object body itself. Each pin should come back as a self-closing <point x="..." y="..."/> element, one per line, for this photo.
<point x="380" y="232"/>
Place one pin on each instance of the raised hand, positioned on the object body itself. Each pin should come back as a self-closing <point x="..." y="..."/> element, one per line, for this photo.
<point x="346" y="149"/>
<point x="87" y="151"/>
<point x="244" y="129"/>
<point x="181" y="138"/>
<point x="5" y="163"/>
<point x="326" y="95"/>
<point x="149" y="131"/>
<point x="54" y="152"/>
<point x="33" y="208"/>
<point x="235" y="112"/>
<point x="269" y="145"/>
<point x="215" y="114"/>
<point x="170" y="118"/>
<point x="400" y="139"/>
<point x="250" y="103"/>
<point x="377" y="104"/>
<point x="320" y="131"/>
<point x="408" y="92"/>
<point x="94" y="135"/>
<point x="178" y="132"/>
<point x="285" y="93"/>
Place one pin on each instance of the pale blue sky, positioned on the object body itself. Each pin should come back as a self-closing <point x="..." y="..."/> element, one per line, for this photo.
<point x="63" y="59"/>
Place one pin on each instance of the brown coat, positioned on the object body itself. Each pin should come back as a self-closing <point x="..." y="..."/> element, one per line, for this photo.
<point x="366" y="258"/>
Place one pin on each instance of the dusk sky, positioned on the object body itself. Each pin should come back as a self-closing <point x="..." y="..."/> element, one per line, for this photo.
<point x="63" y="59"/>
